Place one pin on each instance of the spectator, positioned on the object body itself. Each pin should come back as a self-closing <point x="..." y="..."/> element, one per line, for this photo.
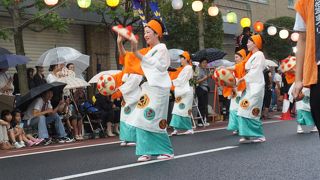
<point x="4" y="139"/>
<point x="277" y="84"/>
<point x="12" y="133"/>
<point x="242" y="40"/>
<point x="202" y="90"/>
<point x="40" y="112"/>
<point x="18" y="127"/>
<point x="54" y="76"/>
<point x="30" y="75"/>
<point x="75" y="121"/>
<point x="6" y="86"/>
<point x="105" y="106"/>
<point x="39" y="78"/>
<point x="268" y="92"/>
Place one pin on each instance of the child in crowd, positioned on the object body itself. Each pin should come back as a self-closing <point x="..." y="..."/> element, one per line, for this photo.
<point x="4" y="140"/>
<point x="74" y="120"/>
<point x="7" y="117"/>
<point x="18" y="127"/>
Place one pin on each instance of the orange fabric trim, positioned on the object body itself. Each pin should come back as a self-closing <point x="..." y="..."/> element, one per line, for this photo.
<point x="243" y="53"/>
<point x="132" y="64"/>
<point x="174" y="75"/>
<point x="310" y="71"/>
<point x="290" y="77"/>
<point x="227" y="91"/>
<point x="240" y="72"/>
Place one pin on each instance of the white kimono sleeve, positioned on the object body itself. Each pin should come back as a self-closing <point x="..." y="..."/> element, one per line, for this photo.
<point x="184" y="76"/>
<point x="157" y="60"/>
<point x="256" y="66"/>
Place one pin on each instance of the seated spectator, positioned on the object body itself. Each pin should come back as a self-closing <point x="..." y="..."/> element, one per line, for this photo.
<point x="40" y="112"/>
<point x="39" y="78"/>
<point x="105" y="107"/>
<point x="6" y="86"/>
<point x="18" y="127"/>
<point x="4" y="139"/>
<point x="74" y="119"/>
<point x="13" y="135"/>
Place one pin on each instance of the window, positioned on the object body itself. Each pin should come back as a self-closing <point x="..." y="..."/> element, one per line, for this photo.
<point x="291" y="3"/>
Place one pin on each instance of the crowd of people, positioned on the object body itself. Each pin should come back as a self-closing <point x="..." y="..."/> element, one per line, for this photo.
<point x="136" y="107"/>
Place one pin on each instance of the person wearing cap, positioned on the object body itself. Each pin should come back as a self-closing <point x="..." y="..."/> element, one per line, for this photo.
<point x="308" y="54"/>
<point x="251" y="101"/>
<point x="232" y="93"/>
<point x="304" y="116"/>
<point x="150" y="115"/>
<point x="182" y="109"/>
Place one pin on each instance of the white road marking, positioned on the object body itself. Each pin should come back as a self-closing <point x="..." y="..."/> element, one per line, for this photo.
<point x="141" y="164"/>
<point x="109" y="143"/>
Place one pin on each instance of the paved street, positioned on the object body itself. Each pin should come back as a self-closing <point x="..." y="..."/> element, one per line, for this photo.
<point x="214" y="154"/>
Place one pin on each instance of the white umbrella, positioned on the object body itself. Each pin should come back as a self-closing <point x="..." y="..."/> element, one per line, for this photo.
<point x="175" y="55"/>
<point x="73" y="82"/>
<point x="61" y="55"/>
<point x="95" y="78"/>
<point x="270" y="63"/>
<point x="220" y="62"/>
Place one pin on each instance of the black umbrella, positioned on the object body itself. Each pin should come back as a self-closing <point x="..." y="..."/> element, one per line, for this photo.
<point x="211" y="54"/>
<point x="27" y="99"/>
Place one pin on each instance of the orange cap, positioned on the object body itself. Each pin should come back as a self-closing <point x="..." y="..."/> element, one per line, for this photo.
<point x="156" y="26"/>
<point x="257" y="39"/>
<point x="242" y="53"/>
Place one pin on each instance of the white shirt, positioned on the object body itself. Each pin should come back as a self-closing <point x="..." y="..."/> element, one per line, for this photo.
<point x="277" y="78"/>
<point x="37" y="104"/>
<point x="300" y="26"/>
<point x="51" y="78"/>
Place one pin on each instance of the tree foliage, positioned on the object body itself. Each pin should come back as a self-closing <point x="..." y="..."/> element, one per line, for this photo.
<point x="44" y="17"/>
<point x="275" y="47"/>
<point x="182" y="26"/>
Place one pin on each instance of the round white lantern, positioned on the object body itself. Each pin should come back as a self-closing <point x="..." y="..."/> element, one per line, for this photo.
<point x="284" y="34"/>
<point x="272" y="30"/>
<point x="295" y="36"/>
<point x="197" y="6"/>
<point x="213" y="11"/>
<point x="177" y="4"/>
<point x="51" y="2"/>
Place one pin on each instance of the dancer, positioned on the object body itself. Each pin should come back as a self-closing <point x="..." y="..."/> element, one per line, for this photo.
<point x="304" y="116"/>
<point x="150" y="115"/>
<point x="233" y="95"/>
<point x="182" y="109"/>
<point x="250" y="125"/>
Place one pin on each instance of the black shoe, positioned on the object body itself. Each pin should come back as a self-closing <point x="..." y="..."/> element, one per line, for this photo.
<point x="47" y="141"/>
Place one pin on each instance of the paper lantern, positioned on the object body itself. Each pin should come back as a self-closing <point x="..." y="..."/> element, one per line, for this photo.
<point x="197" y="6"/>
<point x="245" y="22"/>
<point x="51" y="2"/>
<point x="213" y="11"/>
<point x="177" y="4"/>
<point x="113" y="3"/>
<point x="231" y="17"/>
<point x="258" y="26"/>
<point x="84" y="3"/>
<point x="224" y="77"/>
<point x="294" y="37"/>
<point x="284" y="34"/>
<point x="106" y="85"/>
<point x="272" y="30"/>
